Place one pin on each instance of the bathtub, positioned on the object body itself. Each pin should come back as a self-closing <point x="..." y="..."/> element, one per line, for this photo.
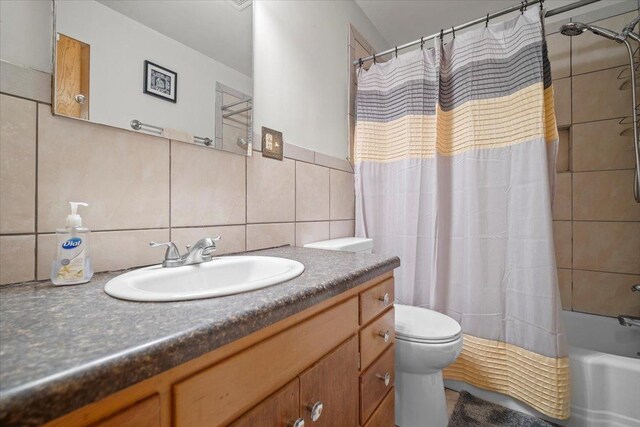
<point x="605" y="374"/>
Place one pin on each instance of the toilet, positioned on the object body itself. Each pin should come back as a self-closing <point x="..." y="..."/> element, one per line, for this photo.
<point x="345" y="244"/>
<point x="426" y="343"/>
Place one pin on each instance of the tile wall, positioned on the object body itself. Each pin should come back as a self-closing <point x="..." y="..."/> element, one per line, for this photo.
<point x="142" y="188"/>
<point x="596" y="220"/>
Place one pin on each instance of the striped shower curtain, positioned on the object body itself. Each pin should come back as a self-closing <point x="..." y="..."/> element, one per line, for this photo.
<point x="455" y="162"/>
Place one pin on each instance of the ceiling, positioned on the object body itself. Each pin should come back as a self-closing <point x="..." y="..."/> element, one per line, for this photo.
<point x="214" y="28"/>
<point x="403" y="21"/>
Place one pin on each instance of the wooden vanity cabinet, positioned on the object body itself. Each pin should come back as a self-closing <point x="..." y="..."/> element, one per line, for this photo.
<point x="330" y="365"/>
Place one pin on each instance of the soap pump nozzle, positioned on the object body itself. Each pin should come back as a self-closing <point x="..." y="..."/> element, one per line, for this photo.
<point x="73" y="219"/>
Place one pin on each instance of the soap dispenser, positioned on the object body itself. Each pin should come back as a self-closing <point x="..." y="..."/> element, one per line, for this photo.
<point x="73" y="260"/>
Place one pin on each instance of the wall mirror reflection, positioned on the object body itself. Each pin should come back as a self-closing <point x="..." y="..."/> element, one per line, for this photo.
<point x="178" y="69"/>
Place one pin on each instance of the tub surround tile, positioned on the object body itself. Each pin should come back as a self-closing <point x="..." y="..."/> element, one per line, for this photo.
<point x="64" y="378"/>
<point x="562" y="160"/>
<point x="124" y="176"/>
<point x="271" y="192"/>
<point x="565" y="284"/>
<point x="559" y="49"/>
<point x="608" y="294"/>
<point x="17" y="165"/>
<point x="591" y="52"/>
<point x="342" y="195"/>
<point x="562" y="101"/>
<point x="309" y="232"/>
<point x="599" y="146"/>
<point x="607" y="246"/>
<point x="17" y="258"/>
<point x="605" y="196"/>
<point x="562" y="197"/>
<point x="338" y="229"/>
<point x="260" y="236"/>
<point x="207" y="186"/>
<point x="232" y="238"/>
<point x="562" y="241"/>
<point x="312" y="192"/>
<point x="110" y="250"/>
<point x="596" y="96"/>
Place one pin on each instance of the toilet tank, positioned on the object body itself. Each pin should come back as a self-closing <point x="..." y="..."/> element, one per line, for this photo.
<point x="346" y="244"/>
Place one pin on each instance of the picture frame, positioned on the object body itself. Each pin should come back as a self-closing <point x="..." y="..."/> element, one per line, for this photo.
<point x="160" y="82"/>
<point x="272" y="144"/>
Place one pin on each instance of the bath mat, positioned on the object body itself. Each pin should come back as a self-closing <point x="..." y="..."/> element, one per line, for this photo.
<point x="471" y="411"/>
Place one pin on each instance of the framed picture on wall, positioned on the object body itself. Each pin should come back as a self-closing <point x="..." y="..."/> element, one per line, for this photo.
<point x="160" y="82"/>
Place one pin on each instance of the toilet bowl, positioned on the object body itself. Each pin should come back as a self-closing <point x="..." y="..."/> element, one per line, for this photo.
<point x="426" y="343"/>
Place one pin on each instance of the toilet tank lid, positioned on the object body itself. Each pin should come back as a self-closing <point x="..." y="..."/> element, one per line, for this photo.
<point x="424" y="324"/>
<point x="350" y="244"/>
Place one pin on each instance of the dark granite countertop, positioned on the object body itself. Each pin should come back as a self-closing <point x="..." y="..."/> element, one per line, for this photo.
<point x="64" y="347"/>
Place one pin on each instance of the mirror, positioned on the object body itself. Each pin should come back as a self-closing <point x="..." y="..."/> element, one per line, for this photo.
<point x="181" y="69"/>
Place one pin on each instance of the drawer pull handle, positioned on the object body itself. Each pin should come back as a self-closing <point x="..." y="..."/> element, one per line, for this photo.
<point x="385" y="335"/>
<point x="384" y="299"/>
<point x="386" y="378"/>
<point x="316" y="410"/>
<point x="298" y="423"/>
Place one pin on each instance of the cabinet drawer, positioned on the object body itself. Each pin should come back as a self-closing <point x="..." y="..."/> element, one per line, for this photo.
<point x="372" y="338"/>
<point x="372" y="384"/>
<point x="142" y="414"/>
<point x="226" y="390"/>
<point x="372" y="301"/>
<point x="384" y="415"/>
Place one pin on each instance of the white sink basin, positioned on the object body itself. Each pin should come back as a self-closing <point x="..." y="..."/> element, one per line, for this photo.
<point x="222" y="276"/>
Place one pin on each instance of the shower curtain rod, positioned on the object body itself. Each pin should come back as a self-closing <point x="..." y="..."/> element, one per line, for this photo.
<point x="490" y="16"/>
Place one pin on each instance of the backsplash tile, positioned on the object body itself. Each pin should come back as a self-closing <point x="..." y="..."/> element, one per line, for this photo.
<point x="124" y="176"/>
<point x="17" y="258"/>
<point x="312" y="192"/>
<point x="110" y="250"/>
<point x="232" y="237"/>
<point x="271" y="189"/>
<point x="142" y="188"/>
<point x="260" y="236"/>
<point x="309" y="232"/>
<point x="17" y="165"/>
<point x="342" y="195"/>
<point x="207" y="186"/>
<point x="338" y="229"/>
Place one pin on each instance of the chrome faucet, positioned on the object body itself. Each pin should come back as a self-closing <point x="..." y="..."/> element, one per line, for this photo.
<point x="629" y="320"/>
<point x="626" y="320"/>
<point x="201" y="251"/>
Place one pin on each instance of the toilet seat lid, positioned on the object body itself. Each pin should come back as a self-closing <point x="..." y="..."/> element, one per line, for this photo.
<point x="422" y="324"/>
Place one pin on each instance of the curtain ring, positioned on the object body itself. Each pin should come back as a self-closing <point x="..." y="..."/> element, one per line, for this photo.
<point x="360" y="62"/>
<point x="453" y="31"/>
<point x="522" y="7"/>
<point x="421" y="43"/>
<point x="396" y="51"/>
<point x="441" y="36"/>
<point x="541" y="4"/>
<point x="486" y="24"/>
<point x="374" y="58"/>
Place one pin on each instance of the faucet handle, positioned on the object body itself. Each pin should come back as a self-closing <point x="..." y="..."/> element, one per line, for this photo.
<point x="172" y="252"/>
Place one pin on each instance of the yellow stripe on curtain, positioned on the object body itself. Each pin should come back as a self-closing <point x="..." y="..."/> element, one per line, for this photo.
<point x="477" y="124"/>
<point x="539" y="381"/>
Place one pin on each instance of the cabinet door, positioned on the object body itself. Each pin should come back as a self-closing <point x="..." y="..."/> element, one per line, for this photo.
<point x="278" y="410"/>
<point x="332" y="384"/>
<point x="141" y="414"/>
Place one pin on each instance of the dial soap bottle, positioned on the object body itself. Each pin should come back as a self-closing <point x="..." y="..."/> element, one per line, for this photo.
<point x="73" y="261"/>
